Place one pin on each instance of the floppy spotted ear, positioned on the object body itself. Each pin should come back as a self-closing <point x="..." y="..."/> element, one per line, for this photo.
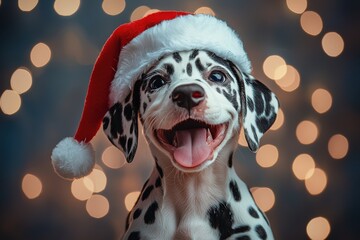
<point x="259" y="109"/>
<point x="120" y="124"/>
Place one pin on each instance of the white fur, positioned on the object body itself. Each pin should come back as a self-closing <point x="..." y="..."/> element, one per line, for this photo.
<point x="183" y="33"/>
<point x="72" y="159"/>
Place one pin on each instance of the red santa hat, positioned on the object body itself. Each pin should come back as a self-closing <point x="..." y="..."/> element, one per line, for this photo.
<point x="127" y="53"/>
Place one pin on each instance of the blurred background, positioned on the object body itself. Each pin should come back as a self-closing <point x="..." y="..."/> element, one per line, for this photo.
<point x="305" y="176"/>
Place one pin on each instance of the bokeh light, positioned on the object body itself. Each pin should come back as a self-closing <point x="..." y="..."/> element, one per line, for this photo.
<point x="66" y="7"/>
<point x="40" y="55"/>
<point x="306" y="132"/>
<point x="274" y="67"/>
<point x="297" y="6"/>
<point x="113" y="7"/>
<point x="338" y="146"/>
<point x="290" y="81"/>
<point x="205" y="10"/>
<point x="279" y="121"/>
<point x="318" y="228"/>
<point x="267" y="156"/>
<point x="31" y="186"/>
<point x="27" y="5"/>
<point x="316" y="183"/>
<point x="264" y="197"/>
<point x="139" y="12"/>
<point x="332" y="44"/>
<point x="98" y="178"/>
<point x="130" y="200"/>
<point x="113" y="158"/>
<point x="321" y="100"/>
<point x="82" y="189"/>
<point x="97" y="206"/>
<point x="303" y="166"/>
<point x="21" y="80"/>
<point x="151" y="11"/>
<point x="10" y="102"/>
<point x="311" y="23"/>
<point x="242" y="140"/>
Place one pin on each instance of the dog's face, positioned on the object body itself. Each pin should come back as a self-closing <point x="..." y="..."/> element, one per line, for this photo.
<point x="191" y="104"/>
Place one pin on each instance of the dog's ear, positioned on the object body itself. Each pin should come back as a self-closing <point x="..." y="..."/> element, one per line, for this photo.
<point x="259" y="108"/>
<point x="120" y="123"/>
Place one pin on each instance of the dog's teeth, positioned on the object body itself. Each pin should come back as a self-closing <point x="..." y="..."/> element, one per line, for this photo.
<point x="209" y="136"/>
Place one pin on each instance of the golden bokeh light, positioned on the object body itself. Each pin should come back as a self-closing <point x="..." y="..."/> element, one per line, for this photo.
<point x="316" y="183"/>
<point x="130" y="200"/>
<point x="21" y="80"/>
<point x="66" y="7"/>
<point x="311" y="23"/>
<point x="113" y="7"/>
<point x="279" y="121"/>
<point x="113" y="158"/>
<point x="338" y="146"/>
<point x="297" y="6"/>
<point x="31" y="186"/>
<point x="290" y="81"/>
<point x="40" y="55"/>
<point x="307" y="132"/>
<point x="97" y="206"/>
<point x="82" y="189"/>
<point x="151" y="11"/>
<point x="303" y="166"/>
<point x="242" y="140"/>
<point x="10" y="102"/>
<point x="267" y="156"/>
<point x="332" y="44"/>
<point x="27" y="5"/>
<point x="98" y="178"/>
<point x="205" y="10"/>
<point x="274" y="67"/>
<point x="321" y="100"/>
<point x="264" y="197"/>
<point x="318" y="228"/>
<point x="139" y="12"/>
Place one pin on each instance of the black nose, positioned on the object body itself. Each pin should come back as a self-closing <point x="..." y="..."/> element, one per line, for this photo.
<point x="188" y="96"/>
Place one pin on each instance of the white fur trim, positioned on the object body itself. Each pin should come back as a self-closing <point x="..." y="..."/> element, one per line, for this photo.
<point x="72" y="159"/>
<point x="183" y="33"/>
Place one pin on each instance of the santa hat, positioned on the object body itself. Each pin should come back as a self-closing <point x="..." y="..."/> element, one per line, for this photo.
<point x="127" y="53"/>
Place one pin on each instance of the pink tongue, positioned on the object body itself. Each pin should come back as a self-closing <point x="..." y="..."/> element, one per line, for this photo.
<point x="192" y="148"/>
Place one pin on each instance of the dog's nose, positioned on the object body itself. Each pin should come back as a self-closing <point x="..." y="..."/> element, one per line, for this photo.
<point x="188" y="96"/>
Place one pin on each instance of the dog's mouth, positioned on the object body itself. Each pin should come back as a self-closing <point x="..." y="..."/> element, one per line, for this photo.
<point x="192" y="142"/>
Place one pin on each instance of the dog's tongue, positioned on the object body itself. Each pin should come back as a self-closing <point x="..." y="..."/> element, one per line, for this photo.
<point x="192" y="148"/>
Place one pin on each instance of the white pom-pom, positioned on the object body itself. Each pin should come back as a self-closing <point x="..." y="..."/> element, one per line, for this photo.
<point x="72" y="159"/>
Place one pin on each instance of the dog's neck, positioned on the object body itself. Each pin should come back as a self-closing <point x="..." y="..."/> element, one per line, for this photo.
<point x="195" y="191"/>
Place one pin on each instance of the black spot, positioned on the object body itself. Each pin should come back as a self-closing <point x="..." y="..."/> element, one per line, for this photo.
<point x="129" y="143"/>
<point x="218" y="90"/>
<point x="131" y="128"/>
<point x="250" y="104"/>
<point x="144" y="106"/>
<point x="208" y="64"/>
<point x="134" y="236"/>
<point x="149" y="217"/>
<point x="169" y="69"/>
<point x="235" y="190"/>
<point x="232" y="98"/>
<point x="127" y="224"/>
<point x="218" y="59"/>
<point x="193" y="54"/>
<point x="158" y="182"/>
<point x="189" y="69"/>
<point x="137" y="213"/>
<point x="199" y="66"/>
<point x="128" y="112"/>
<point x="255" y="134"/>
<point x="177" y="57"/>
<point x="122" y="142"/>
<point x="253" y="212"/>
<point x="252" y="145"/>
<point x="147" y="192"/>
<point x="259" y="102"/>
<point x="243" y="238"/>
<point x="116" y="120"/>
<point x="230" y="162"/>
<point x="127" y="99"/>
<point x="159" y="169"/>
<point x="106" y="122"/>
<point x="261" y="232"/>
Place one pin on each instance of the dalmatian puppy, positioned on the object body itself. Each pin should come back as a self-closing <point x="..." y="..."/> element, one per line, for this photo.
<point x="192" y="105"/>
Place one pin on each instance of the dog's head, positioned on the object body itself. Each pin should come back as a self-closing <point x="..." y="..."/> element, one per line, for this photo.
<point x="191" y="104"/>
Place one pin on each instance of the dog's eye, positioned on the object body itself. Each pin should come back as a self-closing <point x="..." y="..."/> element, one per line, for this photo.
<point x="157" y="82"/>
<point x="217" y="76"/>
